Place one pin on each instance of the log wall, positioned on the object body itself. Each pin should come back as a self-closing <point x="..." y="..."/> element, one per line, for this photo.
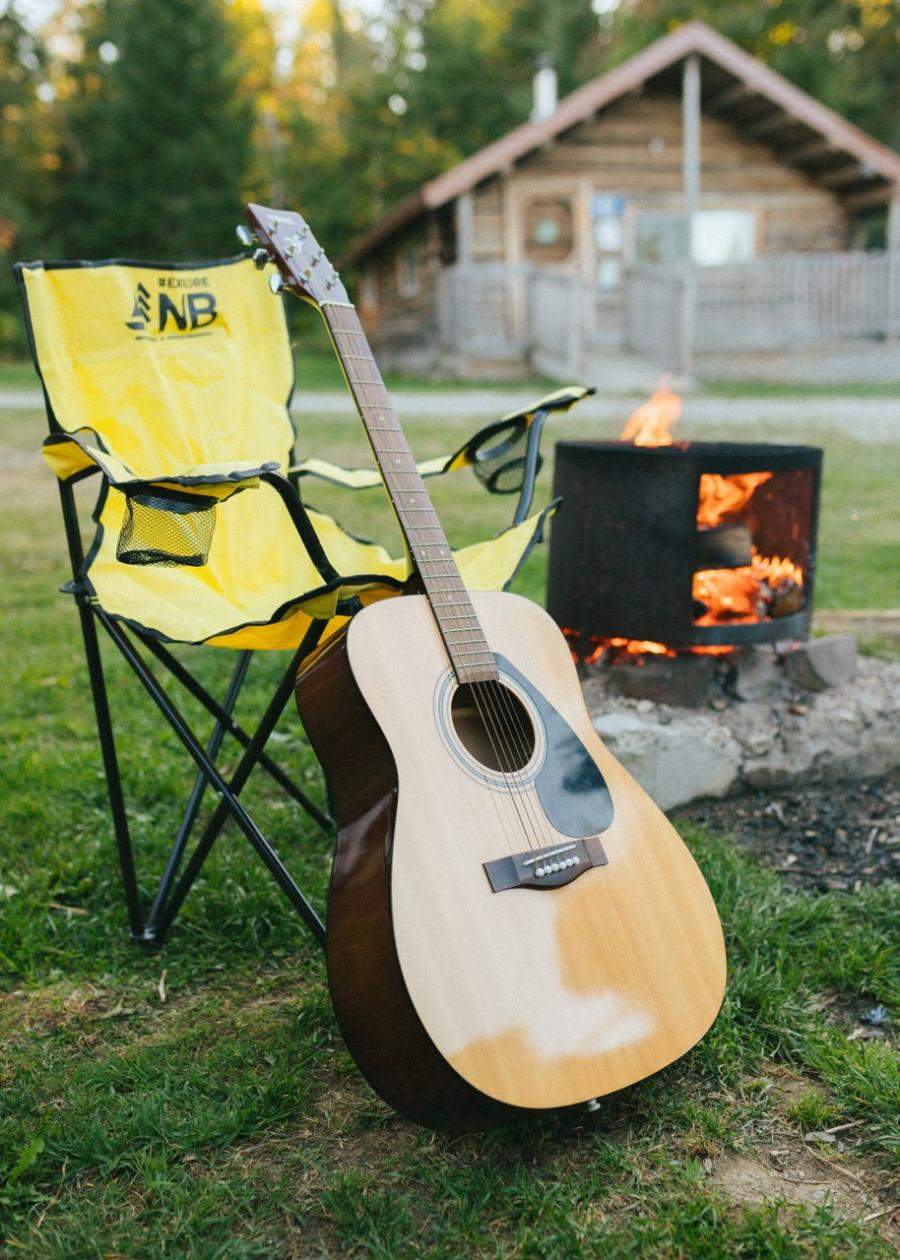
<point x="633" y="149"/>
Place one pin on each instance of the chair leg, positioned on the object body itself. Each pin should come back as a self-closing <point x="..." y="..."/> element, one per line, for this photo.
<point x="197" y="792"/>
<point x="101" y="712"/>
<point x="199" y="692"/>
<point x="111" y="767"/>
<point x="228" y="791"/>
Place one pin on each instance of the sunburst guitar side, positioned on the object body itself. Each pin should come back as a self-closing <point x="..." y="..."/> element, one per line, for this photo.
<point x="456" y="999"/>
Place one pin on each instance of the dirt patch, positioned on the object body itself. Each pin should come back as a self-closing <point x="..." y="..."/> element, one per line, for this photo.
<point x="800" y="1178"/>
<point x="89" y="1011"/>
<point x="791" y="1165"/>
<point x="839" y="836"/>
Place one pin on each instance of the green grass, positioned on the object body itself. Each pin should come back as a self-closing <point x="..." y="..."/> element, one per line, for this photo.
<point x="786" y="389"/>
<point x="227" y="1121"/>
<point x="19" y="374"/>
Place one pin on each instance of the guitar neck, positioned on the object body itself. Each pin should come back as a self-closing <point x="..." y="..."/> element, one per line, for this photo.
<point x="429" y="550"/>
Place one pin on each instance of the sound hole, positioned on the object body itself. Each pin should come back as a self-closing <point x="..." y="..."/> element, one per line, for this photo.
<point x="493" y="725"/>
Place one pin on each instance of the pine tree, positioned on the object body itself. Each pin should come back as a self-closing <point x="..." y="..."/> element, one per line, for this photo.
<point x="156" y="135"/>
<point x="20" y="162"/>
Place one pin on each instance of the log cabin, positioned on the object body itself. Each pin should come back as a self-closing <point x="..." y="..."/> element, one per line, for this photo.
<point x="689" y="201"/>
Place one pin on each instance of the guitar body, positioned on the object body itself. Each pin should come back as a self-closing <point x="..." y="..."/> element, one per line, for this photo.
<point x="468" y="975"/>
<point x="512" y="923"/>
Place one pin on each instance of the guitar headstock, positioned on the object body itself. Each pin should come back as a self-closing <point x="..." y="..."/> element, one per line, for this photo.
<point x="286" y="238"/>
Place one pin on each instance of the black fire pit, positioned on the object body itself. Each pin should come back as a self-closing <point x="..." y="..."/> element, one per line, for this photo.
<point x="626" y="543"/>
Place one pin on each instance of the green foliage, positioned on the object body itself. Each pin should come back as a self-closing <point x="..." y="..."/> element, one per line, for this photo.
<point x="20" y="160"/>
<point x="155" y="138"/>
<point x="844" y="52"/>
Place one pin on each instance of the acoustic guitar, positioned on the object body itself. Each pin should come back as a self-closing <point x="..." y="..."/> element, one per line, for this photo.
<point x="512" y="923"/>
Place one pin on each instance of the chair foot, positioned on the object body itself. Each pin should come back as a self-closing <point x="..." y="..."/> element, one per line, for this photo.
<point x="148" y="939"/>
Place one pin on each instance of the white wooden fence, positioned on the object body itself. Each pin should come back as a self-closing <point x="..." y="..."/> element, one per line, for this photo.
<point x="478" y="312"/>
<point x="777" y="302"/>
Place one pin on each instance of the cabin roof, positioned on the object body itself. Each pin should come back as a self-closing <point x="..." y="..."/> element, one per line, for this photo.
<point x="766" y="106"/>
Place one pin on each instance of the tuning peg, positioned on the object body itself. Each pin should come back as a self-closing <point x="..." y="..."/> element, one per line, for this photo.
<point x="260" y="257"/>
<point x="244" y="235"/>
<point x="276" y="283"/>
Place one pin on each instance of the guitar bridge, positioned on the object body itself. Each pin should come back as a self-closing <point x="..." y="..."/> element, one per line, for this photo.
<point x="550" y="867"/>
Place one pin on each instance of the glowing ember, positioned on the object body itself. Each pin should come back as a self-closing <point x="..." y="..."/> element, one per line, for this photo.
<point x="630" y="647"/>
<point x="768" y="586"/>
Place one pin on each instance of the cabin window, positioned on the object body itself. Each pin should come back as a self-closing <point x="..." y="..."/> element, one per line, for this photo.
<point x="608" y="213"/>
<point x="716" y="237"/>
<point x="723" y="236"/>
<point x="408" y="262"/>
<point x="660" y="238"/>
<point x="549" y="233"/>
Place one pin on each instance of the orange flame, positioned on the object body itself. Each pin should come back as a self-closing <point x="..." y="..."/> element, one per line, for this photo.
<point x="651" y="423"/>
<point x="720" y="496"/>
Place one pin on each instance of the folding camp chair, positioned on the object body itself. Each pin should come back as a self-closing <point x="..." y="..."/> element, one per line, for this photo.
<point x="172" y="383"/>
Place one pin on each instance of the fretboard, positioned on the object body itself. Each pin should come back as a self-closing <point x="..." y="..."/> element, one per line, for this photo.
<point x="430" y="552"/>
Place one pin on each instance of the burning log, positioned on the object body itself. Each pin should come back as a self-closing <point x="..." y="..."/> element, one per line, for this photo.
<point x="724" y="547"/>
<point x="787" y="598"/>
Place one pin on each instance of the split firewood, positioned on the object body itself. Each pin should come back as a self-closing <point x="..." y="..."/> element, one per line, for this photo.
<point x="787" y="598"/>
<point x="724" y="547"/>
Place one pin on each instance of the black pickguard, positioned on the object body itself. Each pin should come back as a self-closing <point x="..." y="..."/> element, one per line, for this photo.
<point x="569" y="785"/>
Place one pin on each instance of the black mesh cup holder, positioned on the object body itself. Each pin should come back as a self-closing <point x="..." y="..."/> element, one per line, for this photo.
<point x="168" y="527"/>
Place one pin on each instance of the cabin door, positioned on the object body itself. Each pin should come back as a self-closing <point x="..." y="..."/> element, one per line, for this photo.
<point x="608" y="240"/>
<point x="545" y="224"/>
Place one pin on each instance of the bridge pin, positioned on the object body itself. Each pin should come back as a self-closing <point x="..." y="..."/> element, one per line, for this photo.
<point x="540" y="872"/>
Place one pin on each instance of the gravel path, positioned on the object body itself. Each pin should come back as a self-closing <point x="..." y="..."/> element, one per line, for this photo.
<point x="867" y="419"/>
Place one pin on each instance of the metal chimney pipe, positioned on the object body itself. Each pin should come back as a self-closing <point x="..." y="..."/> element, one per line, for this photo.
<point x="545" y="88"/>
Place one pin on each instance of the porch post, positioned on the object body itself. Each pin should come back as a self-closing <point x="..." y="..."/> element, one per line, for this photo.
<point x="465" y="224"/>
<point x="460" y="298"/>
<point x="892" y="324"/>
<point x="690" y="176"/>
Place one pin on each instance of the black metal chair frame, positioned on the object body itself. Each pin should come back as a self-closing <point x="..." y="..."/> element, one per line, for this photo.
<point x="150" y="929"/>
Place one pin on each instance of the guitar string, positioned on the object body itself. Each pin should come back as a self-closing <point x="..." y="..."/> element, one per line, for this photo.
<point x="502" y="722"/>
<point x="517" y="732"/>
<point x="503" y="742"/>
<point x="489" y="706"/>
<point x="486" y="717"/>
<point x="371" y="404"/>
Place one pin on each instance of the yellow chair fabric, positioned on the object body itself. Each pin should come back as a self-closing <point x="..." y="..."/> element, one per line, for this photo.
<point x="177" y="378"/>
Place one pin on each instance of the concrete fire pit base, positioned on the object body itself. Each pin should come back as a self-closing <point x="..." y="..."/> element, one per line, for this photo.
<point x="784" y="734"/>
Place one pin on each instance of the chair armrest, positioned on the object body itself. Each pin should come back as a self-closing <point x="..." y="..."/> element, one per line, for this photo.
<point x="72" y="456"/>
<point x="496" y="455"/>
<point x="359" y="478"/>
<point x="169" y="516"/>
<point x="491" y="452"/>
